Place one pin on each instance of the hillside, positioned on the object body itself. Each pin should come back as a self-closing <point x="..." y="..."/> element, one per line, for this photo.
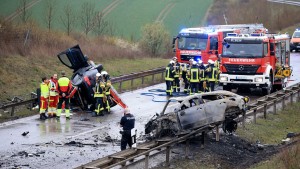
<point x="124" y="17"/>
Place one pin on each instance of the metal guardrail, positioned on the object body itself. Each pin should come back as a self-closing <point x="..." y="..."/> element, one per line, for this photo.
<point x="130" y="77"/>
<point x="123" y="158"/>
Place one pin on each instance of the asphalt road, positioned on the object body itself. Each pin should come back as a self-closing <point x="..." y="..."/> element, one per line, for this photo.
<point x="68" y="144"/>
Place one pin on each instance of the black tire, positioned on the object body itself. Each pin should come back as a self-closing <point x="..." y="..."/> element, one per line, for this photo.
<point x="227" y="87"/>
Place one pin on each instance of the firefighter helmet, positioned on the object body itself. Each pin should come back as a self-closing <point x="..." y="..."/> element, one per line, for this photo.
<point x="210" y="61"/>
<point x="194" y="62"/>
<point x="200" y="61"/>
<point x="104" y="73"/>
<point x="98" y="74"/>
<point x="172" y="62"/>
<point x="174" y="58"/>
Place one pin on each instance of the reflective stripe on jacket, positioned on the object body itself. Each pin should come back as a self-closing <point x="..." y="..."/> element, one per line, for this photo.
<point x="99" y="89"/>
<point x="194" y="74"/>
<point x="169" y="73"/>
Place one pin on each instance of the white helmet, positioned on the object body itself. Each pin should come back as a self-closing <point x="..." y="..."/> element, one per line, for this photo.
<point x="210" y="61"/>
<point x="191" y="60"/>
<point x="172" y="62"/>
<point x="98" y="74"/>
<point x="200" y="61"/>
<point x="194" y="62"/>
<point x="104" y="73"/>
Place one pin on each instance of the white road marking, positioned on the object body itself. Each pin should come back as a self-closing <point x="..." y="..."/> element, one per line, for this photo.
<point x="89" y="131"/>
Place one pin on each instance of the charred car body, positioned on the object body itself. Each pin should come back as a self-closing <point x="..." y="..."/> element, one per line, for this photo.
<point x="192" y="112"/>
<point x="84" y="78"/>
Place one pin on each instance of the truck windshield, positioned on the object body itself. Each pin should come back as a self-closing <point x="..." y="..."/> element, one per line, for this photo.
<point x="296" y="35"/>
<point x="242" y="50"/>
<point x="188" y="43"/>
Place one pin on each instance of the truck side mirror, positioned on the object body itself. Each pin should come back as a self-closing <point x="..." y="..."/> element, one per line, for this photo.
<point x="173" y="42"/>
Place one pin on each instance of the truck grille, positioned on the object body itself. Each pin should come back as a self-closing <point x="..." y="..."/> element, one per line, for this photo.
<point x="241" y="69"/>
<point x="186" y="57"/>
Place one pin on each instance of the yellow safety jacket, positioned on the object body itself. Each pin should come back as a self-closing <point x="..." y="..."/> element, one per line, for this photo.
<point x="99" y="90"/>
<point x="169" y="73"/>
<point x="44" y="90"/>
<point x="194" y="75"/>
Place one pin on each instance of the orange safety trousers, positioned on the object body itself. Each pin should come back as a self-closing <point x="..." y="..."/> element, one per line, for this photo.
<point x="53" y="100"/>
<point x="43" y="104"/>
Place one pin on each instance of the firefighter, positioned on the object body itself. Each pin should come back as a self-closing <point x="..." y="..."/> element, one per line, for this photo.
<point x="211" y="71"/>
<point x="53" y="96"/>
<point x="44" y="98"/>
<point x="127" y="123"/>
<point x="169" y="77"/>
<point x="99" y="95"/>
<point x="194" y="78"/>
<point x="64" y="89"/>
<point x="177" y="76"/>
<point x="202" y="76"/>
<point x="107" y="83"/>
<point x="217" y="66"/>
<point x="185" y="68"/>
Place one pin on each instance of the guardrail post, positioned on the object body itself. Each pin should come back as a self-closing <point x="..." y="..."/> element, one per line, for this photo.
<point x="12" y="113"/>
<point x="162" y="76"/>
<point x="146" y="161"/>
<point x="298" y="98"/>
<point x="120" y="87"/>
<point x="254" y="115"/>
<point x="168" y="150"/>
<point x="131" y="84"/>
<point x="153" y="78"/>
<point x="292" y="97"/>
<point x="265" y="111"/>
<point x="32" y="95"/>
<point x="143" y="81"/>
<point x="283" y="102"/>
<point x="217" y="133"/>
<point x="187" y="148"/>
<point x="274" y="106"/>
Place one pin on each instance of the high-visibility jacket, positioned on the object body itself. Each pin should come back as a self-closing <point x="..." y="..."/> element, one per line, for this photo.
<point x="194" y="74"/>
<point x="211" y="74"/>
<point x="107" y="87"/>
<point x="170" y="71"/>
<point x="178" y="70"/>
<point x="64" y="85"/>
<point x="99" y="89"/>
<point x="202" y="72"/>
<point x="53" y="87"/>
<point x="44" y="90"/>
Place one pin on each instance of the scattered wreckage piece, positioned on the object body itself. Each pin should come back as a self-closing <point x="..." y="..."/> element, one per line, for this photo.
<point x="192" y="112"/>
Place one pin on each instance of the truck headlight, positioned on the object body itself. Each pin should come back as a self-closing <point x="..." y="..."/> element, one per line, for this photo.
<point x="223" y="78"/>
<point x="258" y="79"/>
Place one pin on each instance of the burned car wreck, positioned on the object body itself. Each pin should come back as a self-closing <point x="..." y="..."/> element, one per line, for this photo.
<point x="181" y="114"/>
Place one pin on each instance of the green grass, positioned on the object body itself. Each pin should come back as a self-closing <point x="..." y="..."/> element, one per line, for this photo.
<point x="275" y="128"/>
<point x="127" y="18"/>
<point x="20" y="75"/>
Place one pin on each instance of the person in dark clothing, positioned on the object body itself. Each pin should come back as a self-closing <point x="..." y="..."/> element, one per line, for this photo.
<point x="169" y="77"/>
<point x="127" y="123"/>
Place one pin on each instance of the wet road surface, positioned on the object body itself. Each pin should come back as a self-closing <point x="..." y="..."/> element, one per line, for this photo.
<point x="68" y="144"/>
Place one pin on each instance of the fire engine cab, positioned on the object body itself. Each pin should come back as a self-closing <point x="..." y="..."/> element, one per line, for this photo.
<point x="204" y="43"/>
<point x="255" y="60"/>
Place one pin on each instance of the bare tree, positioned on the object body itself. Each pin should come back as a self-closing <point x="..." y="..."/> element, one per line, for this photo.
<point x="24" y="14"/>
<point x="50" y="5"/>
<point x="100" y="24"/>
<point x="68" y="18"/>
<point x="88" y="17"/>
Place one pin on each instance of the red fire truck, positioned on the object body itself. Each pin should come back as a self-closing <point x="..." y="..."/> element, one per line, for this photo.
<point x="255" y="60"/>
<point x="205" y="43"/>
